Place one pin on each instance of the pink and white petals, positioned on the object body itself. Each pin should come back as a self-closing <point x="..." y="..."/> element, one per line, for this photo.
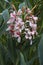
<point x="16" y="25"/>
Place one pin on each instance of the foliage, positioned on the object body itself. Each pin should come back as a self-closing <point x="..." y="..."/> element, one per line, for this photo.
<point x="20" y="54"/>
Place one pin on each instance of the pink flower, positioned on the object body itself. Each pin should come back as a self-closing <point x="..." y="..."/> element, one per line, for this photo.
<point x="35" y="18"/>
<point x="10" y="21"/>
<point x="33" y="32"/>
<point x="16" y="25"/>
<point x="10" y="27"/>
<point x="13" y="15"/>
<point x="16" y="34"/>
<point x="28" y="10"/>
<point x="19" y="12"/>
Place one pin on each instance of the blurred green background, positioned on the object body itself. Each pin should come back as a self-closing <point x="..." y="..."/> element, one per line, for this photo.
<point x="12" y="53"/>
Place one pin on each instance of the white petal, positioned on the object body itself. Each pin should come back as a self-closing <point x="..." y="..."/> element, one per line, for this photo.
<point x="20" y="30"/>
<point x="23" y="27"/>
<point x="14" y="12"/>
<point x="35" y="18"/>
<point x="19" y="39"/>
<point x="10" y="21"/>
<point x="24" y="32"/>
<point x="26" y="36"/>
<point x="30" y="24"/>
<point x="30" y="42"/>
<point x="29" y="32"/>
<point x="28" y="10"/>
<point x="11" y="15"/>
<point x="34" y="26"/>
<point x="30" y="37"/>
<point x="26" y="29"/>
<point x="27" y="20"/>
<point x="30" y="17"/>
<point x="8" y="29"/>
<point x="15" y="35"/>
<point x="19" y="19"/>
<point x="16" y="28"/>
<point x="33" y="32"/>
<point x="19" y="12"/>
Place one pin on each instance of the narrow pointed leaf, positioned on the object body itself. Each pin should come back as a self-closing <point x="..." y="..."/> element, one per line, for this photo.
<point x="22" y="60"/>
<point x="40" y="50"/>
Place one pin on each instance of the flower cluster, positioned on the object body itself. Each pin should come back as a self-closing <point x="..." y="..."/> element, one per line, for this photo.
<point x="16" y="24"/>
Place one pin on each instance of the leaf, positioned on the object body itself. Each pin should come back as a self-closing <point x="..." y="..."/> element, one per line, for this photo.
<point x="32" y="60"/>
<point x="6" y="0"/>
<point x="1" y="20"/>
<point x="22" y="60"/>
<point x="28" y="4"/>
<point x="5" y="55"/>
<point x="40" y="50"/>
<point x="1" y="60"/>
<point x="22" y="5"/>
<point x="11" y="47"/>
<point x="5" y="15"/>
